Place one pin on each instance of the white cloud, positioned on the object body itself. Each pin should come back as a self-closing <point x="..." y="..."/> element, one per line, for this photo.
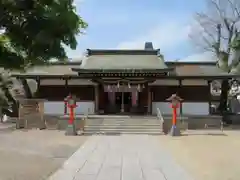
<point x="200" y="57"/>
<point x="75" y="55"/>
<point x="77" y="3"/>
<point x="165" y="36"/>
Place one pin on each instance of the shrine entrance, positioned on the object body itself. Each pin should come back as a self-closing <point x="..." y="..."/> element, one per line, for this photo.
<point x="123" y="99"/>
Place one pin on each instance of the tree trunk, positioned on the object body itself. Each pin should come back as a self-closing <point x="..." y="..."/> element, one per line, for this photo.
<point x="222" y="108"/>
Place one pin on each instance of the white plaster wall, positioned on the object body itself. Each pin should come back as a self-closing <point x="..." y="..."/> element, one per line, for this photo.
<point x="54" y="107"/>
<point x="164" y="107"/>
<point x="85" y="108"/>
<point x="191" y="108"/>
<point x="195" y="108"/>
<point x="57" y="108"/>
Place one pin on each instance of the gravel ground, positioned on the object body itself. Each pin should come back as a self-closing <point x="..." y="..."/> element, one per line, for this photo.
<point x="34" y="154"/>
<point x="208" y="154"/>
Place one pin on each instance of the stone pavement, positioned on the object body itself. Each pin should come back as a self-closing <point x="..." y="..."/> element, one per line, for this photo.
<point x="125" y="157"/>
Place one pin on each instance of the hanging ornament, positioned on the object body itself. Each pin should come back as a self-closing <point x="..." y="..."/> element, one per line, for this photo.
<point x="143" y="86"/>
<point x="139" y="87"/>
<point x="118" y="85"/>
<point x="129" y="86"/>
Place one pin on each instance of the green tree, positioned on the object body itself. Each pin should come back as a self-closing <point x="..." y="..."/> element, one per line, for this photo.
<point x="217" y="30"/>
<point x="34" y="32"/>
<point x="37" y="31"/>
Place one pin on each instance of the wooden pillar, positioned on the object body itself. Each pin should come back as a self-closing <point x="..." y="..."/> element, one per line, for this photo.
<point x="179" y="87"/>
<point x="134" y="94"/>
<point x="101" y="98"/>
<point x="122" y="102"/>
<point x="66" y="90"/>
<point x="209" y="96"/>
<point x="149" y="100"/>
<point x="38" y="80"/>
<point x="96" y="88"/>
<point x="66" y="85"/>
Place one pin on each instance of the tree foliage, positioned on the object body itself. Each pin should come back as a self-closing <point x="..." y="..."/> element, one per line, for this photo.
<point x="217" y="27"/>
<point x="36" y="31"/>
<point x="218" y="30"/>
<point x="33" y="32"/>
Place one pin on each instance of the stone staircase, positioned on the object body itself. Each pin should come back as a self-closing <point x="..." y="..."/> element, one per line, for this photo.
<point x="123" y="125"/>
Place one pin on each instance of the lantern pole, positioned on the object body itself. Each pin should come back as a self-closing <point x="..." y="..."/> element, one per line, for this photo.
<point x="175" y="100"/>
<point x="71" y="129"/>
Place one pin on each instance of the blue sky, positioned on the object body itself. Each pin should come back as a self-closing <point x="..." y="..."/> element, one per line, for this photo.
<point x="127" y="24"/>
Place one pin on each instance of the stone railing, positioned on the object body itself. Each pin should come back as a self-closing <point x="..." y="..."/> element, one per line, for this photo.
<point x="159" y="115"/>
<point x="161" y="119"/>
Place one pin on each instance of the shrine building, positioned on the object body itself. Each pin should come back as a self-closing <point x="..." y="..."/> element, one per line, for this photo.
<point x="127" y="82"/>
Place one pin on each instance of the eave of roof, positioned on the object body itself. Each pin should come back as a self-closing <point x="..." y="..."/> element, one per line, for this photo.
<point x="175" y="63"/>
<point x="79" y="62"/>
<point x="71" y="76"/>
<point x="86" y="71"/>
<point x="66" y="63"/>
<point x="46" y="76"/>
<point x="91" y="52"/>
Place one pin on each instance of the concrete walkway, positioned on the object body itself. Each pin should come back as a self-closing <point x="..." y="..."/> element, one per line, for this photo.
<point x="126" y="157"/>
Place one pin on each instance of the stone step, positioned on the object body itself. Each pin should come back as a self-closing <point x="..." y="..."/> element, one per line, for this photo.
<point x="123" y="125"/>
<point x="120" y="127"/>
<point x="123" y="121"/>
<point x="118" y="117"/>
<point x="119" y="133"/>
<point x="108" y="117"/>
<point x="123" y="130"/>
<point x="116" y="124"/>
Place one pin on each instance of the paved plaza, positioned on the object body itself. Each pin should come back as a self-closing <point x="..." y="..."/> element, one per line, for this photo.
<point x="126" y="157"/>
<point x="34" y="154"/>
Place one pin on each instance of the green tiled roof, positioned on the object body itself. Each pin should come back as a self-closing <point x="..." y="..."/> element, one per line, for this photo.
<point x="113" y="62"/>
<point x="50" y="70"/>
<point x="199" y="70"/>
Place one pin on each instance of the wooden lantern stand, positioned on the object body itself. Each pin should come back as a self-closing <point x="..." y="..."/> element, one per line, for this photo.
<point x="175" y="101"/>
<point x="71" y="129"/>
